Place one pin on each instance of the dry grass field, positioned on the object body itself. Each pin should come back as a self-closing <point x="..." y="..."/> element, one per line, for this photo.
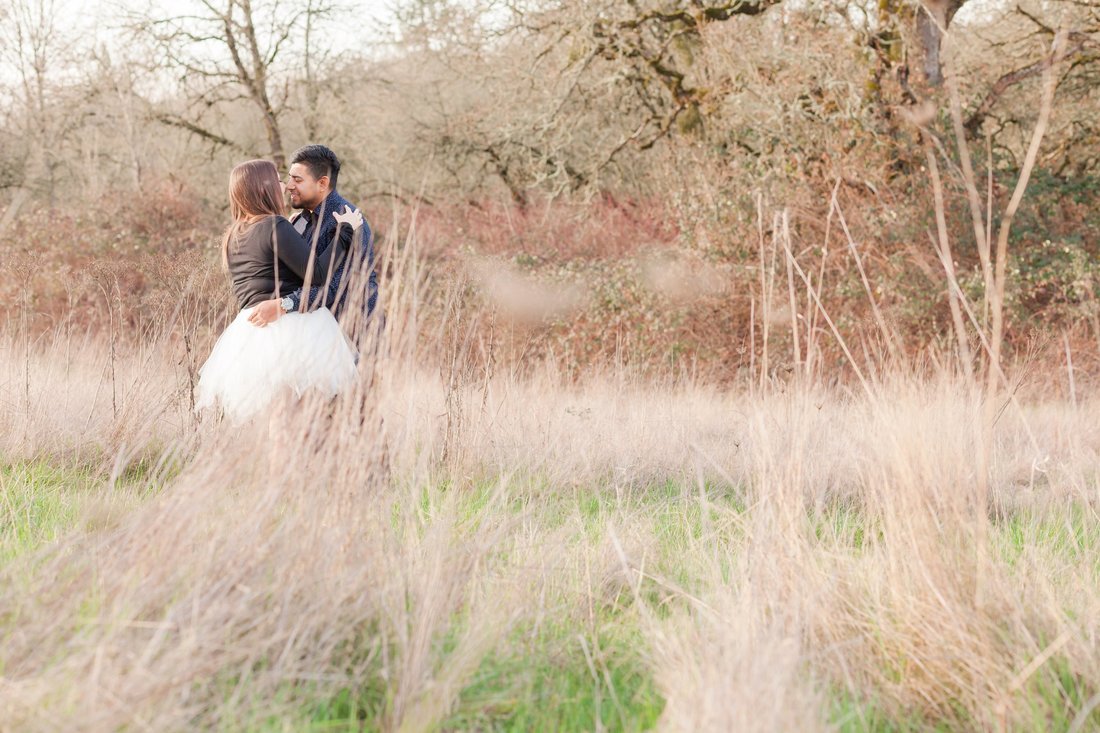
<point x="466" y="548"/>
<point x="739" y="369"/>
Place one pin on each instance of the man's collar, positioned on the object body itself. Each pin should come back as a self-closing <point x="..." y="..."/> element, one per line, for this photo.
<point x="331" y="201"/>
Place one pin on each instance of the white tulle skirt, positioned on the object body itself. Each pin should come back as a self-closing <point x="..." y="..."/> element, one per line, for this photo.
<point x="249" y="366"/>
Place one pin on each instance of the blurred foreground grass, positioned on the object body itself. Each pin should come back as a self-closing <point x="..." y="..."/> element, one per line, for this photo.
<point x="566" y="668"/>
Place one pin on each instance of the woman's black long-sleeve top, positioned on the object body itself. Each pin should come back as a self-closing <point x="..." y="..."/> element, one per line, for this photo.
<point x="251" y="261"/>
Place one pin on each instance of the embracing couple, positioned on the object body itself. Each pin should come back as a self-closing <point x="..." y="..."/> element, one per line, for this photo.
<point x="293" y="278"/>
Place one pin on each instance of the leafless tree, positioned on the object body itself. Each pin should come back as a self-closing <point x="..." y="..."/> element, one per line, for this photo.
<point x="46" y="93"/>
<point x="933" y="19"/>
<point x="227" y="51"/>
<point x="1030" y="53"/>
<point x="577" y="85"/>
<point x="553" y="96"/>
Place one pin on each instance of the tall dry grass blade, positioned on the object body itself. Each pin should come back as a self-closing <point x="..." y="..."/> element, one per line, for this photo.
<point x="792" y="298"/>
<point x="943" y="249"/>
<point x="1070" y="378"/>
<point x="888" y="335"/>
<point x="765" y="294"/>
<point x="811" y="310"/>
<point x="832" y="326"/>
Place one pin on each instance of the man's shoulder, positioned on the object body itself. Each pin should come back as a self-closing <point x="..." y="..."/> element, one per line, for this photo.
<point x="336" y="203"/>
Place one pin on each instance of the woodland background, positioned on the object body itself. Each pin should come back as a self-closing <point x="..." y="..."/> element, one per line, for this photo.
<point x="609" y="176"/>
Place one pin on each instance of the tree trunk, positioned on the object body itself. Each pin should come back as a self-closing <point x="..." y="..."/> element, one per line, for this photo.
<point x="932" y="20"/>
<point x="259" y="88"/>
<point x="274" y="138"/>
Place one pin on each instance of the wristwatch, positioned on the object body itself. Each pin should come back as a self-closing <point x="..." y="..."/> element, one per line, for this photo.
<point x="287" y="304"/>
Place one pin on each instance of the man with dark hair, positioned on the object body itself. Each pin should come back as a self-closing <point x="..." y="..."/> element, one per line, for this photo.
<point x="311" y="185"/>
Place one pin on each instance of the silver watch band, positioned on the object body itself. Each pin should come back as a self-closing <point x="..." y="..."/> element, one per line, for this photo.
<point x="287" y="303"/>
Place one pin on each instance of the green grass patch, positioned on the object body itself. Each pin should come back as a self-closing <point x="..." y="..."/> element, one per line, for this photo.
<point x="1071" y="533"/>
<point x="565" y="682"/>
<point x="38" y="503"/>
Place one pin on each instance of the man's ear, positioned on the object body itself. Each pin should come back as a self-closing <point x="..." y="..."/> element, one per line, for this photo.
<point x="323" y="182"/>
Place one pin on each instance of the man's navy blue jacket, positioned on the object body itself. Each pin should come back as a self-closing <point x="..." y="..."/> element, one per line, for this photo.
<point x="364" y="262"/>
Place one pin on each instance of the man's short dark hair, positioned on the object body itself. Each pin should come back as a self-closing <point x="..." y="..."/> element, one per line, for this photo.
<point x="321" y="162"/>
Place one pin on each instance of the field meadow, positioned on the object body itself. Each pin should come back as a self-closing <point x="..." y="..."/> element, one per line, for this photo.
<point x="465" y="542"/>
<point x="736" y="369"/>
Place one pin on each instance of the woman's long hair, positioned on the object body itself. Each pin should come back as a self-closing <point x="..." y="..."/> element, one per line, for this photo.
<point x="255" y="193"/>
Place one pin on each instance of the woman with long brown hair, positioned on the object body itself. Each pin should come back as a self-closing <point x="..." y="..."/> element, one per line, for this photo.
<point x="251" y="365"/>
